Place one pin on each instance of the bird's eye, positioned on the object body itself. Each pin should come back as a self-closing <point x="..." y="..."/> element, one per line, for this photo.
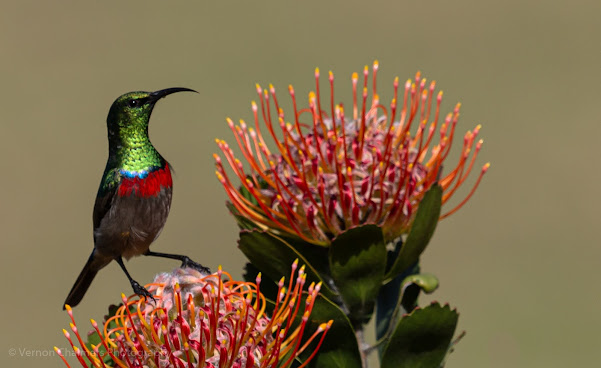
<point x="133" y="103"/>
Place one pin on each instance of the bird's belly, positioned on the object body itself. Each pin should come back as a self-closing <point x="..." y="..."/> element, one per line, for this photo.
<point x="132" y="224"/>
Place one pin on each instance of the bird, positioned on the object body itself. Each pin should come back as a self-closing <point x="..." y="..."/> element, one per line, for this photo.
<point x="134" y="196"/>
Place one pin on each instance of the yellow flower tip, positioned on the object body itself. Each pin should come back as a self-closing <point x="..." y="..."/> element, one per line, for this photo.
<point x="355" y="77"/>
<point x="258" y="87"/>
<point x="311" y="95"/>
<point x="485" y="167"/>
<point x="396" y="80"/>
<point x="418" y="74"/>
<point x="290" y="88"/>
<point x="365" y="69"/>
<point x="219" y="268"/>
<point x="76" y="349"/>
<point x="330" y="75"/>
<point x="66" y="333"/>
<point x="93" y="322"/>
<point x="376" y="64"/>
<point x="478" y="127"/>
<point x="316" y="72"/>
<point x="458" y="105"/>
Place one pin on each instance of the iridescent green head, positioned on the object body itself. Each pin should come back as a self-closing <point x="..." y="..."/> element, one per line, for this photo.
<point x="130" y="113"/>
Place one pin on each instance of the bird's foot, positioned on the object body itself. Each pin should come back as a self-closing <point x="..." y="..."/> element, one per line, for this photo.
<point x="187" y="262"/>
<point x="141" y="291"/>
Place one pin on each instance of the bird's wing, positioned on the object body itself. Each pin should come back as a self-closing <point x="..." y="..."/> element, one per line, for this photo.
<point x="106" y="194"/>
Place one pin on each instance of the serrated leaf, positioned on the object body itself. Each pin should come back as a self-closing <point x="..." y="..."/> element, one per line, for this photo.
<point x="273" y="257"/>
<point x="421" y="339"/>
<point x="421" y="232"/>
<point x="357" y="263"/>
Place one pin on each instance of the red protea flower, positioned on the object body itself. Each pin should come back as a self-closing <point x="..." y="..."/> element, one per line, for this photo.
<point x="203" y="321"/>
<point x="333" y="170"/>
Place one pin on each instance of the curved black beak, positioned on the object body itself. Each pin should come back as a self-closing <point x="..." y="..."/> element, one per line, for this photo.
<point x="157" y="95"/>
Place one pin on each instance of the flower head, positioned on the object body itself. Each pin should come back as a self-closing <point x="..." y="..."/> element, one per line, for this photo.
<point x="203" y="321"/>
<point x="333" y="169"/>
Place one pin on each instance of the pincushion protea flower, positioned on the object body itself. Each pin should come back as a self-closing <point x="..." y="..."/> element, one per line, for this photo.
<point x="203" y="321"/>
<point x="333" y="170"/>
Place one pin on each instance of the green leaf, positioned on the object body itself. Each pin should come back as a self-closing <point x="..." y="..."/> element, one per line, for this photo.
<point x="389" y="299"/>
<point x="268" y="287"/>
<point x="317" y="255"/>
<point x="339" y="348"/>
<point x="412" y="285"/>
<point x="357" y="263"/>
<point x="422" y="230"/>
<point x="422" y="338"/>
<point x="273" y="256"/>
<point x="406" y="302"/>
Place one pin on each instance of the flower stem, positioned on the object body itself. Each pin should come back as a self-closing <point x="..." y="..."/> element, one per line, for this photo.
<point x="362" y="345"/>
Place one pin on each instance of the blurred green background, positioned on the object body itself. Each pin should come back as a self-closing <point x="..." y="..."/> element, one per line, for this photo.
<point x="520" y="261"/>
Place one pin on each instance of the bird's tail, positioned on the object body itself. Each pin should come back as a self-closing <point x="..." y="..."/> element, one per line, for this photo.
<point x="85" y="278"/>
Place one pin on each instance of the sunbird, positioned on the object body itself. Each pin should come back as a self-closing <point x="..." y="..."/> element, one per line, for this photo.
<point x="134" y="196"/>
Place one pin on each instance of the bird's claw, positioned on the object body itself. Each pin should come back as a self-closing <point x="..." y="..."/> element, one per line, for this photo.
<point x="141" y="291"/>
<point x="187" y="262"/>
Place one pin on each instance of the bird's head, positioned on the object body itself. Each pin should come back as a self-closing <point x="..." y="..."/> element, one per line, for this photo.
<point x="132" y="110"/>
